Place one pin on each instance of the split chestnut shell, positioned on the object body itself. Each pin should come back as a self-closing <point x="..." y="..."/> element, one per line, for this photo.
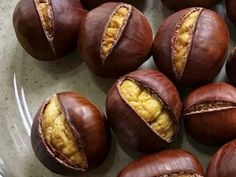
<point x="114" y="39"/>
<point x="48" y="29"/>
<point x="223" y="162"/>
<point x="210" y="113"/>
<point x="143" y="109"/>
<point x="69" y="134"/>
<point x="191" y="45"/>
<point x="168" y="163"/>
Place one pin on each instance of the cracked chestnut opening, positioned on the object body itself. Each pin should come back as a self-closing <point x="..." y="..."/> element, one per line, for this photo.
<point x="58" y="134"/>
<point x="114" y="29"/>
<point x="209" y="107"/>
<point x="181" y="175"/>
<point x="149" y="107"/>
<point x="182" y="40"/>
<point x="44" y="9"/>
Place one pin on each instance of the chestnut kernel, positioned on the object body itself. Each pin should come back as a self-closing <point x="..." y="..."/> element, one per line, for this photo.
<point x="230" y="67"/>
<point x="223" y="162"/>
<point x="69" y="134"/>
<point x="210" y="113"/>
<point x="230" y="7"/>
<point x="143" y="108"/>
<point x="48" y="29"/>
<point x="168" y="163"/>
<point x="121" y="42"/>
<point x="181" y="4"/>
<point x="191" y="46"/>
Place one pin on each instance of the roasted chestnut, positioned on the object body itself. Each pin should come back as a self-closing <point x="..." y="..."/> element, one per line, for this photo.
<point x="143" y="109"/>
<point x="168" y="163"/>
<point x="114" y="39"/>
<point x="191" y="46"/>
<point x="69" y="134"/>
<point x="48" y="29"/>
<point x="210" y="113"/>
<point x="230" y="7"/>
<point x="231" y="67"/>
<point x="223" y="162"/>
<point x="181" y="4"/>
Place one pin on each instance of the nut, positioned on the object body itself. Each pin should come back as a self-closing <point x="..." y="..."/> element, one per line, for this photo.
<point x="69" y="134"/>
<point x="143" y="108"/>
<point x="230" y="7"/>
<point x="223" y="162"/>
<point x="181" y="4"/>
<point x="230" y="67"/>
<point x="191" y="45"/>
<point x="209" y="113"/>
<point x="42" y="27"/>
<point x="168" y="163"/>
<point x="119" y="27"/>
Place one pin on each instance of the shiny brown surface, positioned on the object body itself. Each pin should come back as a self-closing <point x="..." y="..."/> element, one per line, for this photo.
<point x="231" y="67"/>
<point x="208" y="51"/>
<point x="88" y="126"/>
<point x="30" y="33"/>
<point x="223" y="162"/>
<point x="131" y="50"/>
<point x="214" y="124"/>
<point x="163" y="163"/>
<point x="181" y="4"/>
<point x="127" y="124"/>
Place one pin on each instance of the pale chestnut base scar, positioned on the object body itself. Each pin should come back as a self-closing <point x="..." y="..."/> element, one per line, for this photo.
<point x="181" y="175"/>
<point x="181" y="41"/>
<point x="114" y="29"/>
<point x="149" y="108"/>
<point x="58" y="134"/>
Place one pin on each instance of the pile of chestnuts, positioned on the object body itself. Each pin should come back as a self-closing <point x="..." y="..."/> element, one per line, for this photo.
<point x="70" y="135"/>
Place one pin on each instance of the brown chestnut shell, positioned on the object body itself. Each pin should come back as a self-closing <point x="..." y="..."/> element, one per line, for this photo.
<point x="230" y="7"/>
<point x="128" y="125"/>
<point x="164" y="163"/>
<point x="223" y="162"/>
<point x="133" y="46"/>
<point x="207" y="52"/>
<point x="66" y="18"/>
<point x="181" y="4"/>
<point x="210" y="113"/>
<point x="88" y="126"/>
<point x="230" y="67"/>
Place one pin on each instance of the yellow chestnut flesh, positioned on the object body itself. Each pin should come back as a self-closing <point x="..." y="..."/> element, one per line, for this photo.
<point x="58" y="134"/>
<point x="149" y="108"/>
<point x="114" y="28"/>
<point x="182" y="40"/>
<point x="45" y="12"/>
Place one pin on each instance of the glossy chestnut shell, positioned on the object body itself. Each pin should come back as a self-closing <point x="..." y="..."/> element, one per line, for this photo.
<point x="64" y="18"/>
<point x="206" y="49"/>
<point x="132" y="45"/>
<point x="181" y="4"/>
<point x="231" y="67"/>
<point x="223" y="162"/>
<point x="88" y="126"/>
<point x="168" y="162"/>
<point x="230" y="7"/>
<point x="127" y="123"/>
<point x="210" y="113"/>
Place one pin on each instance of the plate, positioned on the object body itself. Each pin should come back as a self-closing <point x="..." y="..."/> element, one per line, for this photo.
<point x="25" y="83"/>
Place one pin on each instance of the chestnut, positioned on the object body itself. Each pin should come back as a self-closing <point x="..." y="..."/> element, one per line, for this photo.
<point x="210" y="113"/>
<point x="114" y="39"/>
<point x="230" y="8"/>
<point x="231" y="67"/>
<point x="168" y="163"/>
<point x="223" y="162"/>
<point x="48" y="29"/>
<point x="69" y="134"/>
<point x="181" y="4"/>
<point x="191" y="45"/>
<point x="143" y="109"/>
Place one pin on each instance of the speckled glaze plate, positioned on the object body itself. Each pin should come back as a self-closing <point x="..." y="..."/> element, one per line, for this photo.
<point x="25" y="83"/>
